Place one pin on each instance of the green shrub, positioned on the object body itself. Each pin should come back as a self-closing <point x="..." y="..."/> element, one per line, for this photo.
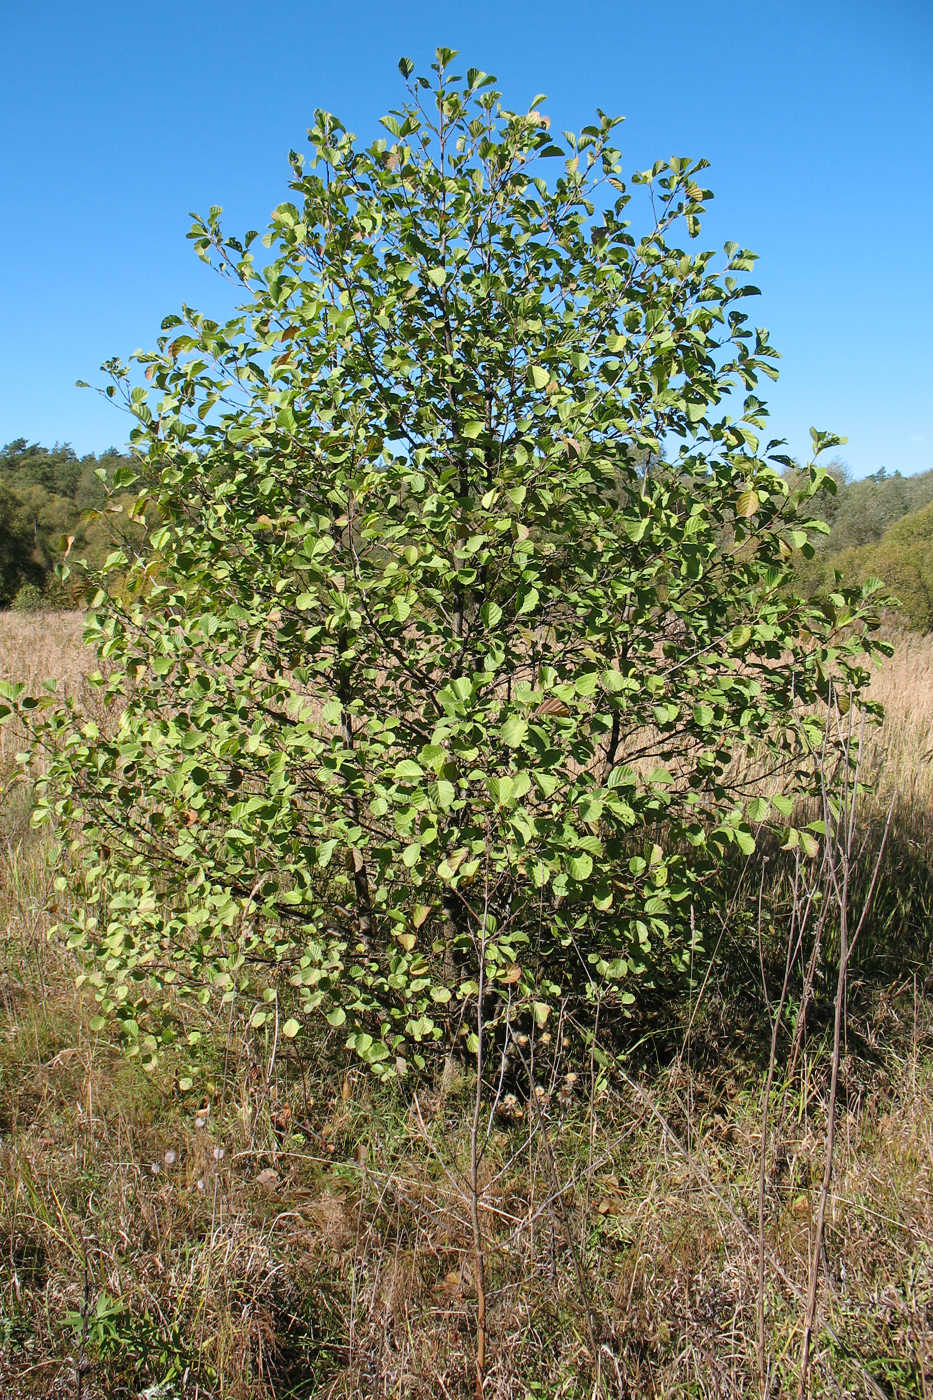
<point x="29" y="598"/>
<point x="903" y="559"/>
<point x="434" y="688"/>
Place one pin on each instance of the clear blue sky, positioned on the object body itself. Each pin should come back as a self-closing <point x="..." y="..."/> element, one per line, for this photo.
<point x="817" y="116"/>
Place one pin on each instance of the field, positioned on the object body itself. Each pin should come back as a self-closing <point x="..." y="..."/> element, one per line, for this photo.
<point x="757" y="1169"/>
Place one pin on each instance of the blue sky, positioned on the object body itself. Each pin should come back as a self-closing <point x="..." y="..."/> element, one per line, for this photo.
<point x="116" y="120"/>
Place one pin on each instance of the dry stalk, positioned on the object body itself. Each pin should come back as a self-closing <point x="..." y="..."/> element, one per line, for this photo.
<point x="840" y="842"/>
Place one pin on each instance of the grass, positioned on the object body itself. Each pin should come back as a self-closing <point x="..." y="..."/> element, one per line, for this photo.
<point x="293" y="1229"/>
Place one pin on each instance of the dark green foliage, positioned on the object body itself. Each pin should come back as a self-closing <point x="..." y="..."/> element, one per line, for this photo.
<point x="17" y="561"/>
<point x="865" y="509"/>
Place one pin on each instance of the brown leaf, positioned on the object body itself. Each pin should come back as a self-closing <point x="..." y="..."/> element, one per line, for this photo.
<point x="552" y="706"/>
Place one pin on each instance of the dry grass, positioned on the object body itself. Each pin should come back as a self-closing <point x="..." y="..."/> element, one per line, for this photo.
<point x="39" y="647"/>
<point x="35" y="647"/>
<point x="902" y="752"/>
<point x="296" y="1233"/>
<point x="327" y="1251"/>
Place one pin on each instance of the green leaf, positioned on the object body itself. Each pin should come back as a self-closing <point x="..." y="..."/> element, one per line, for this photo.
<point x="446" y="794"/>
<point x="437" y="275"/>
<point x="502" y="790"/>
<point x="291" y="1028"/>
<point x="325" y="852"/>
<point x="539" y="376"/>
<point x="513" y="731"/>
<point x="809" y="843"/>
<point x="581" y="866"/>
<point x="586" y="683"/>
<point x="822" y="440"/>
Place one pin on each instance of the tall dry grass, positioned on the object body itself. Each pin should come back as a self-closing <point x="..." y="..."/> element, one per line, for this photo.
<point x="39" y="647"/>
<point x="901" y="751"/>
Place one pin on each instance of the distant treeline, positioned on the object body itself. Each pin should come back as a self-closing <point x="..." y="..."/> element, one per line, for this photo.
<point x="879" y="527"/>
<point x="48" y="496"/>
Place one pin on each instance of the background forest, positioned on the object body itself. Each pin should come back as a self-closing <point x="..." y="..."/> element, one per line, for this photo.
<point x="49" y="499"/>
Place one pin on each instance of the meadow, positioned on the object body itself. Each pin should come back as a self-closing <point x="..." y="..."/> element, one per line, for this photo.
<point x="755" y="1169"/>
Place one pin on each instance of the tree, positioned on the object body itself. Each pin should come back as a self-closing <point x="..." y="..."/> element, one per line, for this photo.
<point x="433" y="692"/>
<point x="904" y="561"/>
